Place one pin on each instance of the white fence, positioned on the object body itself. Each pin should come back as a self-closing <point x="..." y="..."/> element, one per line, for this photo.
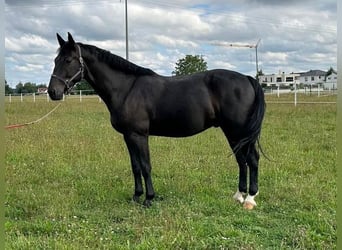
<point x="307" y="91"/>
<point x="83" y="95"/>
<point x="319" y="92"/>
<point x="35" y="97"/>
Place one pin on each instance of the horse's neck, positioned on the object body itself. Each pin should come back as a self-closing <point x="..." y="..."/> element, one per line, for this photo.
<point x="111" y="85"/>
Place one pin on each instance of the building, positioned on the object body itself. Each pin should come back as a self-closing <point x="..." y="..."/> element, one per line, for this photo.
<point x="312" y="77"/>
<point x="281" y="79"/>
<point x="331" y="81"/>
<point x="42" y="90"/>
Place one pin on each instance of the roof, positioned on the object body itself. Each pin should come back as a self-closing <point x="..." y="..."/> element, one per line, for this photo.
<point x="313" y="73"/>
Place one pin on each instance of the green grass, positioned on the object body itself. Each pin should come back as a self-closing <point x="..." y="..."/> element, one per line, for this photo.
<point x="69" y="183"/>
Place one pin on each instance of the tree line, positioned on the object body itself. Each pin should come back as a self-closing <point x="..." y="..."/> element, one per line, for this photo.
<point x="23" y="88"/>
<point x="184" y="66"/>
<point x="29" y="87"/>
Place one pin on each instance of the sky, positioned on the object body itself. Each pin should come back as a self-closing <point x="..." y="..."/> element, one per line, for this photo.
<point x="295" y="36"/>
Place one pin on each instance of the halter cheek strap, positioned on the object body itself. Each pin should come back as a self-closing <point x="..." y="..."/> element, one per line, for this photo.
<point x="67" y="82"/>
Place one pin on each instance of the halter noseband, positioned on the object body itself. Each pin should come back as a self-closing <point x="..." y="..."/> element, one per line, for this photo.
<point x="79" y="72"/>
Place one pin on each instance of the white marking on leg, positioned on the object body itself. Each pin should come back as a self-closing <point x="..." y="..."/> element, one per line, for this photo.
<point x="238" y="196"/>
<point x="250" y="202"/>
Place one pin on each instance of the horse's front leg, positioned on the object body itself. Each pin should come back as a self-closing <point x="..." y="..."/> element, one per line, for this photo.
<point x="140" y="159"/>
<point x="138" y="188"/>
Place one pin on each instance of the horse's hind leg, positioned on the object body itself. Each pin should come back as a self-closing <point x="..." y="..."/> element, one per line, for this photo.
<point x="253" y="164"/>
<point x="246" y="159"/>
<point x="242" y="188"/>
<point x="242" y="162"/>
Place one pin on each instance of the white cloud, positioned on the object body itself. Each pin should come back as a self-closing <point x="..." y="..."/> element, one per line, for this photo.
<point x="173" y="43"/>
<point x="29" y="68"/>
<point x="296" y="36"/>
<point x="220" y="64"/>
<point x="275" y="57"/>
<point x="27" y="44"/>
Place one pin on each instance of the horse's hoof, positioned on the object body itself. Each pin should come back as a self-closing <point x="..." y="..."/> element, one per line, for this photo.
<point x="136" y="198"/>
<point x="248" y="205"/>
<point x="238" y="196"/>
<point x="147" y="203"/>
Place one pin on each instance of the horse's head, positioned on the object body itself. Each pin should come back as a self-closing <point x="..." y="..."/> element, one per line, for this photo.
<point x="69" y="68"/>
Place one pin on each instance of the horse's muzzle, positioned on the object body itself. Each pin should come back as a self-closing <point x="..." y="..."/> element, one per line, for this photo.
<point x="55" y="95"/>
<point x="56" y="89"/>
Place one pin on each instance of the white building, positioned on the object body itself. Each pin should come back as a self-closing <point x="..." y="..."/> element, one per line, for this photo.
<point x="280" y="79"/>
<point x="331" y="81"/>
<point x="312" y="77"/>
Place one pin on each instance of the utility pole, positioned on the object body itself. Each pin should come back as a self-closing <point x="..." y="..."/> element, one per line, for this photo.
<point x="126" y="25"/>
<point x="126" y="21"/>
<point x="256" y="56"/>
<point x="251" y="46"/>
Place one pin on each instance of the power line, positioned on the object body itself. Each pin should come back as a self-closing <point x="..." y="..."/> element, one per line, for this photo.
<point x="213" y="12"/>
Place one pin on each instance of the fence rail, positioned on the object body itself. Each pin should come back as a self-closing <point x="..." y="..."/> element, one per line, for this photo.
<point x="272" y="97"/>
<point x="35" y="97"/>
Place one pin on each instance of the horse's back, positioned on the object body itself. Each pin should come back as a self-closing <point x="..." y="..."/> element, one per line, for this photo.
<point x="190" y="104"/>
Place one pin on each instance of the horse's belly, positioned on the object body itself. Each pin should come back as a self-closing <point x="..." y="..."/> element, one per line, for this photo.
<point x="178" y="127"/>
<point x="188" y="114"/>
<point x="174" y="132"/>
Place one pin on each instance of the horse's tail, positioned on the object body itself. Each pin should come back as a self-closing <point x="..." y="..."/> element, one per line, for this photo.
<point x="253" y="127"/>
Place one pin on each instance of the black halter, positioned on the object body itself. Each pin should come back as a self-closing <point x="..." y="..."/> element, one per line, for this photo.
<point x="68" y="82"/>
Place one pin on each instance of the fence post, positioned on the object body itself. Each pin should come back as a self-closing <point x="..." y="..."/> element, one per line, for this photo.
<point x="47" y="97"/>
<point x="319" y="90"/>
<point x="295" y="95"/>
<point x="278" y="91"/>
<point x="10" y="98"/>
<point x="80" y="95"/>
<point x="34" y="97"/>
<point x="21" y="97"/>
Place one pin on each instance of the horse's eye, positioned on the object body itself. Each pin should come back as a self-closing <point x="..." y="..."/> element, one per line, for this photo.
<point x="68" y="60"/>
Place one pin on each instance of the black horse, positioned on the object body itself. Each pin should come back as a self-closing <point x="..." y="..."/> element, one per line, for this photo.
<point x="143" y="103"/>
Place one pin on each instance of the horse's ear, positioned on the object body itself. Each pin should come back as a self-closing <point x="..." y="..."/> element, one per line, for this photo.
<point x="60" y="40"/>
<point x="70" y="39"/>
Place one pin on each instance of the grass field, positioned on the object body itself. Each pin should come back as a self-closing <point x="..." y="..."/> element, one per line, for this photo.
<point x="69" y="183"/>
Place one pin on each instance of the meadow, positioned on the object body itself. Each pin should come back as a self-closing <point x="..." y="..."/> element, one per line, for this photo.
<point x="69" y="183"/>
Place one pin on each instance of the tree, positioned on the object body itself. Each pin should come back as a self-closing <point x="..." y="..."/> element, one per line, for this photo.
<point x="190" y="64"/>
<point x="41" y="86"/>
<point x="83" y="85"/>
<point x="19" y="88"/>
<point x="30" y="87"/>
<point x="8" y="89"/>
<point x="330" y="71"/>
<point x="260" y="73"/>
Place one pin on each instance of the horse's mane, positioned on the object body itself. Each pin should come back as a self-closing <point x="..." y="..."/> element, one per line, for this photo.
<point x="117" y="62"/>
